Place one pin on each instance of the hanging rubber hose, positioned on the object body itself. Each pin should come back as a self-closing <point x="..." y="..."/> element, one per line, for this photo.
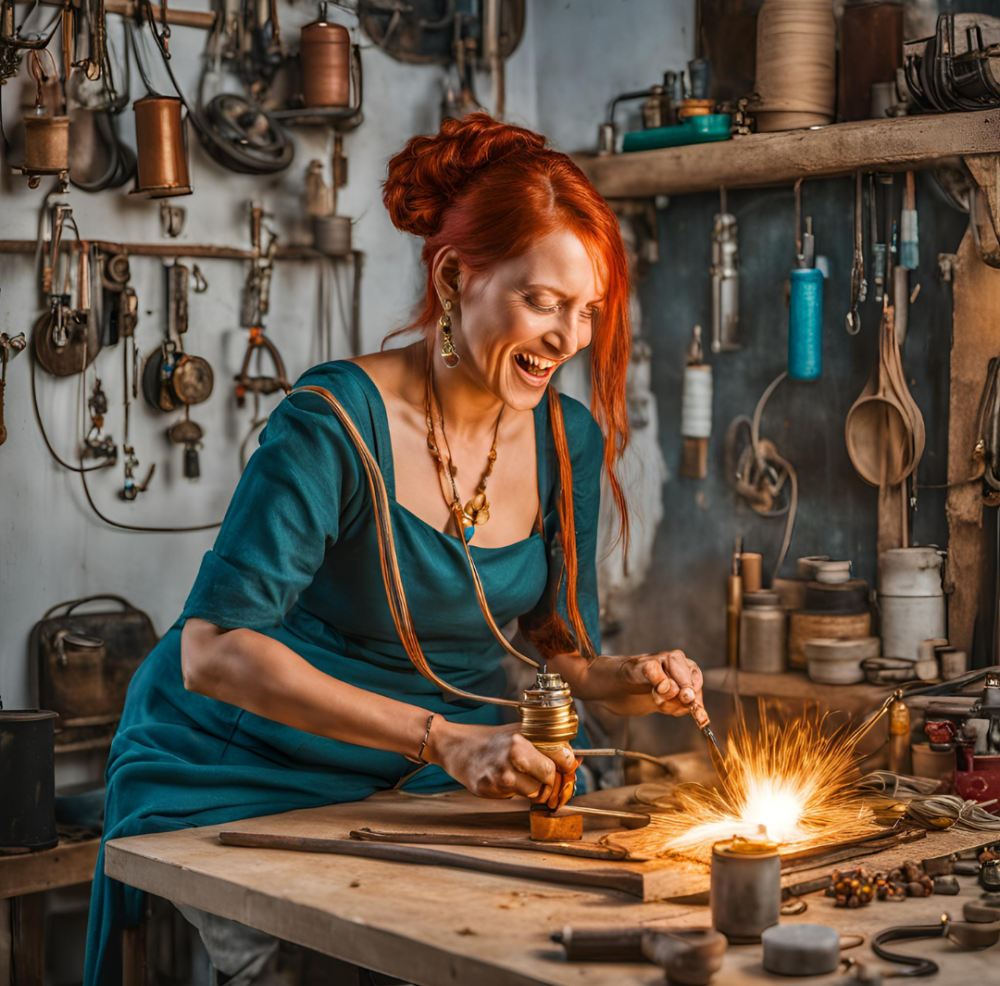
<point x="759" y="473"/>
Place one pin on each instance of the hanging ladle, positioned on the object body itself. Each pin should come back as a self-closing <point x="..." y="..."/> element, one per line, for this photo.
<point x="878" y="430"/>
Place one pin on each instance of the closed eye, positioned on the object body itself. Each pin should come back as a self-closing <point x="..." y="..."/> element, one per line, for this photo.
<point x="541" y="308"/>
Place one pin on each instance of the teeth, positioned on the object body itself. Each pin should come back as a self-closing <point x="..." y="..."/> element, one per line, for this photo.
<point x="537" y="362"/>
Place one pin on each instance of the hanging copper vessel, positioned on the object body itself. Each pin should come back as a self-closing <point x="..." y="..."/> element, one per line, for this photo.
<point x="162" y="169"/>
<point x="46" y="132"/>
<point x="326" y="63"/>
<point x="46" y="145"/>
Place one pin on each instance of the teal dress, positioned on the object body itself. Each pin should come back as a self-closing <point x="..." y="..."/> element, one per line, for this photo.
<point x="297" y="559"/>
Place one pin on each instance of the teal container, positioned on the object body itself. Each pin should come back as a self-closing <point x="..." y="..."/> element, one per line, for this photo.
<point x="805" y="325"/>
<point x="694" y="130"/>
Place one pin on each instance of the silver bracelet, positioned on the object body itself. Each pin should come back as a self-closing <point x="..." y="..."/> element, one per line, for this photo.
<point x="419" y="758"/>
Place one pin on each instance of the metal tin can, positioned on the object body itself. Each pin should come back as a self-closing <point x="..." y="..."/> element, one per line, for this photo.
<point x="46" y="144"/>
<point x="27" y="779"/>
<point x="162" y="168"/>
<point x="763" y="633"/>
<point x="745" y="892"/>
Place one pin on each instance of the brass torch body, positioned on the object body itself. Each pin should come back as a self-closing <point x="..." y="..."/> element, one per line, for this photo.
<point x="548" y="716"/>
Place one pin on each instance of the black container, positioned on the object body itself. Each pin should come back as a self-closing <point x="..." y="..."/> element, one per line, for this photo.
<point x="27" y="779"/>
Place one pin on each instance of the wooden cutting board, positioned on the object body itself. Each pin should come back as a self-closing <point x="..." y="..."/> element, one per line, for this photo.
<point x="458" y="812"/>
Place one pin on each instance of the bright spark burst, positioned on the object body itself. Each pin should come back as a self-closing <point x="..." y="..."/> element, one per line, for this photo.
<point x="794" y="778"/>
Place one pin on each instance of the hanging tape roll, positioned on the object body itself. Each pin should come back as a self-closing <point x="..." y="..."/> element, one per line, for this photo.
<point x="696" y="402"/>
<point x="805" y="325"/>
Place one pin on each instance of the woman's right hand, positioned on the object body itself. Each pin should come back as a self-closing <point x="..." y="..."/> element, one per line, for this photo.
<point x="498" y="762"/>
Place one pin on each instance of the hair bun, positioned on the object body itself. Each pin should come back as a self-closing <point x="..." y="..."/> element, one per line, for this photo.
<point x="425" y="176"/>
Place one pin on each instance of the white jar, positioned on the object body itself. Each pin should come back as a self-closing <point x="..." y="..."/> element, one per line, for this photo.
<point x="910" y="572"/>
<point x="907" y="621"/>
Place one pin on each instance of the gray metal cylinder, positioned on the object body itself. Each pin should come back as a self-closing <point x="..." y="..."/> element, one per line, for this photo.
<point x="763" y="633"/>
<point x="745" y="892"/>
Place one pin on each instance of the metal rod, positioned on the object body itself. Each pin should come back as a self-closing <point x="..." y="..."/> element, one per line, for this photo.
<point x="175" y="249"/>
<point x="127" y="8"/>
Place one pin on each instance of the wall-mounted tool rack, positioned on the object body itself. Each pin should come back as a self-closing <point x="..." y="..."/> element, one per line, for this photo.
<point x="909" y="143"/>
<point x="212" y="252"/>
<point x="181" y="249"/>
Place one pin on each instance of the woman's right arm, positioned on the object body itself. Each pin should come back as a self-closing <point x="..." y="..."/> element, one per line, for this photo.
<point x="262" y="675"/>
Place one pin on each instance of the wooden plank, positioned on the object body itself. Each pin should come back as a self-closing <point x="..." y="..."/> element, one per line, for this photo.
<point x="28" y="939"/>
<point x="903" y="144"/>
<point x="975" y="338"/>
<point x="441" y="927"/>
<point x="6" y="944"/>
<point x="65" y="865"/>
<point x="134" y="967"/>
<point x="853" y="700"/>
<point x="459" y="812"/>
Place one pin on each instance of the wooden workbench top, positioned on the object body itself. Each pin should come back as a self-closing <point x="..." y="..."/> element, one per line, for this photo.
<point x="435" y="926"/>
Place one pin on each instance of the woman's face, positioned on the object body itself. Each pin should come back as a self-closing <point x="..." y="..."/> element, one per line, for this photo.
<point x="514" y="325"/>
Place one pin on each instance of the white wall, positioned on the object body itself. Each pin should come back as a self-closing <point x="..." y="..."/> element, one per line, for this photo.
<point x="575" y="56"/>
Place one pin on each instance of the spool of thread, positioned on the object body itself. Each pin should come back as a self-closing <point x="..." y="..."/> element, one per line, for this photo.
<point x="696" y="420"/>
<point x="796" y="65"/>
<point x="750" y="564"/>
<point x="161" y="168"/>
<point x="696" y="402"/>
<point x="805" y="325"/>
<point x="326" y="64"/>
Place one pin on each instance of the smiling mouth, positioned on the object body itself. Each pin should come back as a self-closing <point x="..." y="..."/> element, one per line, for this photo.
<point x="535" y="366"/>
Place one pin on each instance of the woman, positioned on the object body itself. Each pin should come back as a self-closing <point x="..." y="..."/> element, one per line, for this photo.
<point x="285" y="683"/>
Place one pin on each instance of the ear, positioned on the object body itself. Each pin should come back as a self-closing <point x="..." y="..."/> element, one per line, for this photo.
<point x="446" y="269"/>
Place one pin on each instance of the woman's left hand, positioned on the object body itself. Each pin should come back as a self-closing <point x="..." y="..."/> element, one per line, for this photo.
<point x="671" y="683"/>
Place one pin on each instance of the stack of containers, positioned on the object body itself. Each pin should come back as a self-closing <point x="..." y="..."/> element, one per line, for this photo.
<point x="911" y="600"/>
<point x="834" y="608"/>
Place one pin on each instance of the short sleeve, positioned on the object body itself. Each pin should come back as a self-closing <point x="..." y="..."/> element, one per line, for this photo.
<point x="284" y="515"/>
<point x="586" y="449"/>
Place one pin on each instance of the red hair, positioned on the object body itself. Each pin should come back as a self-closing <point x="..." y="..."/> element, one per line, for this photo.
<point x="490" y="190"/>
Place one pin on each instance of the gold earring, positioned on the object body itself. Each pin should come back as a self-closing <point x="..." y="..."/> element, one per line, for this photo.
<point x="448" y="353"/>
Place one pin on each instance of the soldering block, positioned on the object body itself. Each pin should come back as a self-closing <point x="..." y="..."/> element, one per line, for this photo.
<point x="551" y="826"/>
<point x="801" y="949"/>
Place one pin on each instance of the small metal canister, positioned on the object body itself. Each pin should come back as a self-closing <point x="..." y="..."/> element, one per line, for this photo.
<point x="46" y="145"/>
<point x="326" y="63"/>
<point x="162" y="168"/>
<point x="763" y="633"/>
<point x="332" y="235"/>
<point x="27" y="779"/>
<point x="745" y="893"/>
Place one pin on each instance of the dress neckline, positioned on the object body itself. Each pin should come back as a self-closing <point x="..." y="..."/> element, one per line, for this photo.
<point x="384" y="455"/>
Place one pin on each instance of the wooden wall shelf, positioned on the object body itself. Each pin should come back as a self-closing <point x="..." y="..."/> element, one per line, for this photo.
<point x="902" y="144"/>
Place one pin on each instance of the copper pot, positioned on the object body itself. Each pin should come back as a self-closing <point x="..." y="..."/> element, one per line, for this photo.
<point x="46" y="144"/>
<point x="326" y="64"/>
<point x="162" y="168"/>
